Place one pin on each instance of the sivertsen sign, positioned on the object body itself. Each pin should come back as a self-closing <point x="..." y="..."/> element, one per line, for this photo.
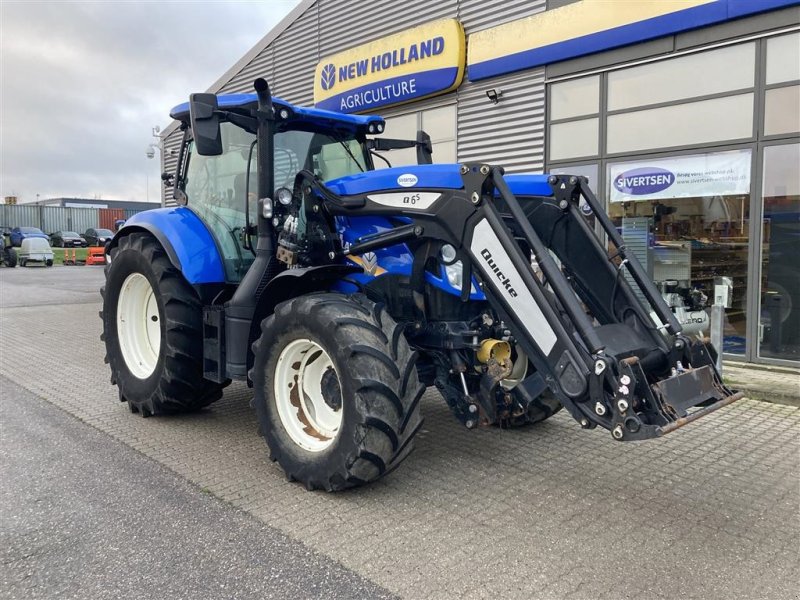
<point x="716" y="174"/>
<point x="419" y="62"/>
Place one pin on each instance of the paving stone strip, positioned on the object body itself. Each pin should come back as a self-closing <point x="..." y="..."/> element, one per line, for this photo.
<point x="551" y="512"/>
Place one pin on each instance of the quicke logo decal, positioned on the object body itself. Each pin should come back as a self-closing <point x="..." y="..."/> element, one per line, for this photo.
<point x="498" y="273"/>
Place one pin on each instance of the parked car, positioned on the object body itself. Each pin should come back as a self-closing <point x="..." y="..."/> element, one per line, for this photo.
<point x="67" y="239"/>
<point x="98" y="237"/>
<point x="20" y="233"/>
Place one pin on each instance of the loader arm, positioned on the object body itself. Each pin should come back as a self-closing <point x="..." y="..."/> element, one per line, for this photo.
<point x="611" y="359"/>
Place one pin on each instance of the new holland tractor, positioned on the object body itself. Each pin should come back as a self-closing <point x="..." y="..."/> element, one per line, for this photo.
<point x="339" y="292"/>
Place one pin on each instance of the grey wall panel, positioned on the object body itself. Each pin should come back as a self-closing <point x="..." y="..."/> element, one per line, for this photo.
<point x="482" y="14"/>
<point x="344" y="23"/>
<point x="21" y="215"/>
<point x="510" y="133"/>
<point x="55" y="218"/>
<point x="261" y="66"/>
<point x="82" y="219"/>
<point x="49" y="218"/>
<point x="296" y="56"/>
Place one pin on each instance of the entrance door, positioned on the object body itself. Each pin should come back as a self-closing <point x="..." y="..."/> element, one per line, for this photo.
<point x="779" y="315"/>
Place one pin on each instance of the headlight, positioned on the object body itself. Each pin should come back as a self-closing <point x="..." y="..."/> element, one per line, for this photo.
<point x="455" y="273"/>
<point x="447" y="254"/>
<point x="284" y="196"/>
<point x="266" y="208"/>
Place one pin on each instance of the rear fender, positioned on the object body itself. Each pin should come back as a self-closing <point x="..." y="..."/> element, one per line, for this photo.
<point x="291" y="284"/>
<point x="185" y="238"/>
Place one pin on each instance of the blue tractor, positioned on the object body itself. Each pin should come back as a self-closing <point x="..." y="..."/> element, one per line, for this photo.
<point x="339" y="292"/>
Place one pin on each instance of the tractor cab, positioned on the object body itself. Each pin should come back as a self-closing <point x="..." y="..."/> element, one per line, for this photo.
<point x="222" y="187"/>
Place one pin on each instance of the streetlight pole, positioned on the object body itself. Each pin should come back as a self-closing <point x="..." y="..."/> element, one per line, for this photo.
<point x="151" y="152"/>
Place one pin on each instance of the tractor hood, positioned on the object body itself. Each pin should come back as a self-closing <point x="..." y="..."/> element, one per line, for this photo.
<point x="435" y="176"/>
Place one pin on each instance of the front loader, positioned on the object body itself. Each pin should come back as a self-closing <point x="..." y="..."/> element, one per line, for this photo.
<point x="339" y="292"/>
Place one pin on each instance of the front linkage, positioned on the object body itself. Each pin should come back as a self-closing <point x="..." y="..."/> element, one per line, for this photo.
<point x="635" y="390"/>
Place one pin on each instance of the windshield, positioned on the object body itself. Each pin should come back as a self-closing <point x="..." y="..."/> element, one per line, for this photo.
<point x="68" y="234"/>
<point x="30" y="229"/>
<point x="104" y="232"/>
<point x="215" y="185"/>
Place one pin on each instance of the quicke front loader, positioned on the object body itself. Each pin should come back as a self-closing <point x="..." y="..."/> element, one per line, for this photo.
<point x="339" y="292"/>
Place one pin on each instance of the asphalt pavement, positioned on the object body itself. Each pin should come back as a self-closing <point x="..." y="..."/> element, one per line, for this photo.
<point x="709" y="511"/>
<point x="85" y="516"/>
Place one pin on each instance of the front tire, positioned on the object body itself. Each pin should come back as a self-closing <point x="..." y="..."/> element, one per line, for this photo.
<point x="336" y="390"/>
<point x="539" y="409"/>
<point x="152" y="328"/>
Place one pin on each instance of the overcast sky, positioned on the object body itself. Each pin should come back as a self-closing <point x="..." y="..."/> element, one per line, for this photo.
<point x="83" y="84"/>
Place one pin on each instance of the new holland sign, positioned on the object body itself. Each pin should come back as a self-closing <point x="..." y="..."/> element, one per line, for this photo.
<point x="419" y="62"/>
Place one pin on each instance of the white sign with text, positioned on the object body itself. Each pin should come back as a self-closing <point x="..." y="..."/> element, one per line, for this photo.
<point x="698" y="175"/>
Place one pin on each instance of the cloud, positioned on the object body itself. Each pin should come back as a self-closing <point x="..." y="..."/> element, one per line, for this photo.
<point x="83" y="83"/>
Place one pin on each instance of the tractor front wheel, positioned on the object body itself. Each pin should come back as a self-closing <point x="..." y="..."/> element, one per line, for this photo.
<point x="152" y="328"/>
<point x="336" y="390"/>
<point x="539" y="409"/>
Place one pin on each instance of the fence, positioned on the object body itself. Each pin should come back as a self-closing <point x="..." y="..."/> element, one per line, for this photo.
<point x="56" y="218"/>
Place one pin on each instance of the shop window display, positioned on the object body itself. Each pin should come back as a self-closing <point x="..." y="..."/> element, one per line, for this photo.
<point x="687" y="220"/>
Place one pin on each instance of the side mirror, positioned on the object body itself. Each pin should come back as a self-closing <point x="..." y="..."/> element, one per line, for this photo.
<point x="424" y="148"/>
<point x="205" y="124"/>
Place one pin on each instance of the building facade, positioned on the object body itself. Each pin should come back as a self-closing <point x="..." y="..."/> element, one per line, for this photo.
<point x="684" y="115"/>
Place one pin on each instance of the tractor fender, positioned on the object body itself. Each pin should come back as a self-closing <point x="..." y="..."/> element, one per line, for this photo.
<point x="293" y="283"/>
<point x="185" y="238"/>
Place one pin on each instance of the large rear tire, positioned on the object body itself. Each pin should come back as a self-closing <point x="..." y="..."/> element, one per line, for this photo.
<point x="152" y="328"/>
<point x="336" y="390"/>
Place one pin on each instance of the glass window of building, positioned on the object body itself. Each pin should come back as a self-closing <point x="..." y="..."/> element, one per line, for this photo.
<point x="574" y="139"/>
<point x="779" y="326"/>
<point x="705" y="121"/>
<point x="575" y="98"/>
<point x="686" y="218"/>
<point x="717" y="71"/>
<point x="782" y="110"/>
<point x="439" y="123"/>
<point x="783" y="58"/>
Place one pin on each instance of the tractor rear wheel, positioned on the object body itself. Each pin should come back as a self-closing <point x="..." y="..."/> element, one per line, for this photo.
<point x="152" y="328"/>
<point x="336" y="390"/>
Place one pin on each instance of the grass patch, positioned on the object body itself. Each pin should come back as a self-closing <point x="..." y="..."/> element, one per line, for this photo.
<point x="58" y="254"/>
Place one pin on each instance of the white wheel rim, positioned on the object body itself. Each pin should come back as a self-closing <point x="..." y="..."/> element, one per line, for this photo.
<point x="308" y="401"/>
<point x="139" y="325"/>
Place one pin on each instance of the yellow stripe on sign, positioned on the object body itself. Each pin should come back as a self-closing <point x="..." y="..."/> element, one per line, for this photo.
<point x="433" y="46"/>
<point x="568" y="22"/>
